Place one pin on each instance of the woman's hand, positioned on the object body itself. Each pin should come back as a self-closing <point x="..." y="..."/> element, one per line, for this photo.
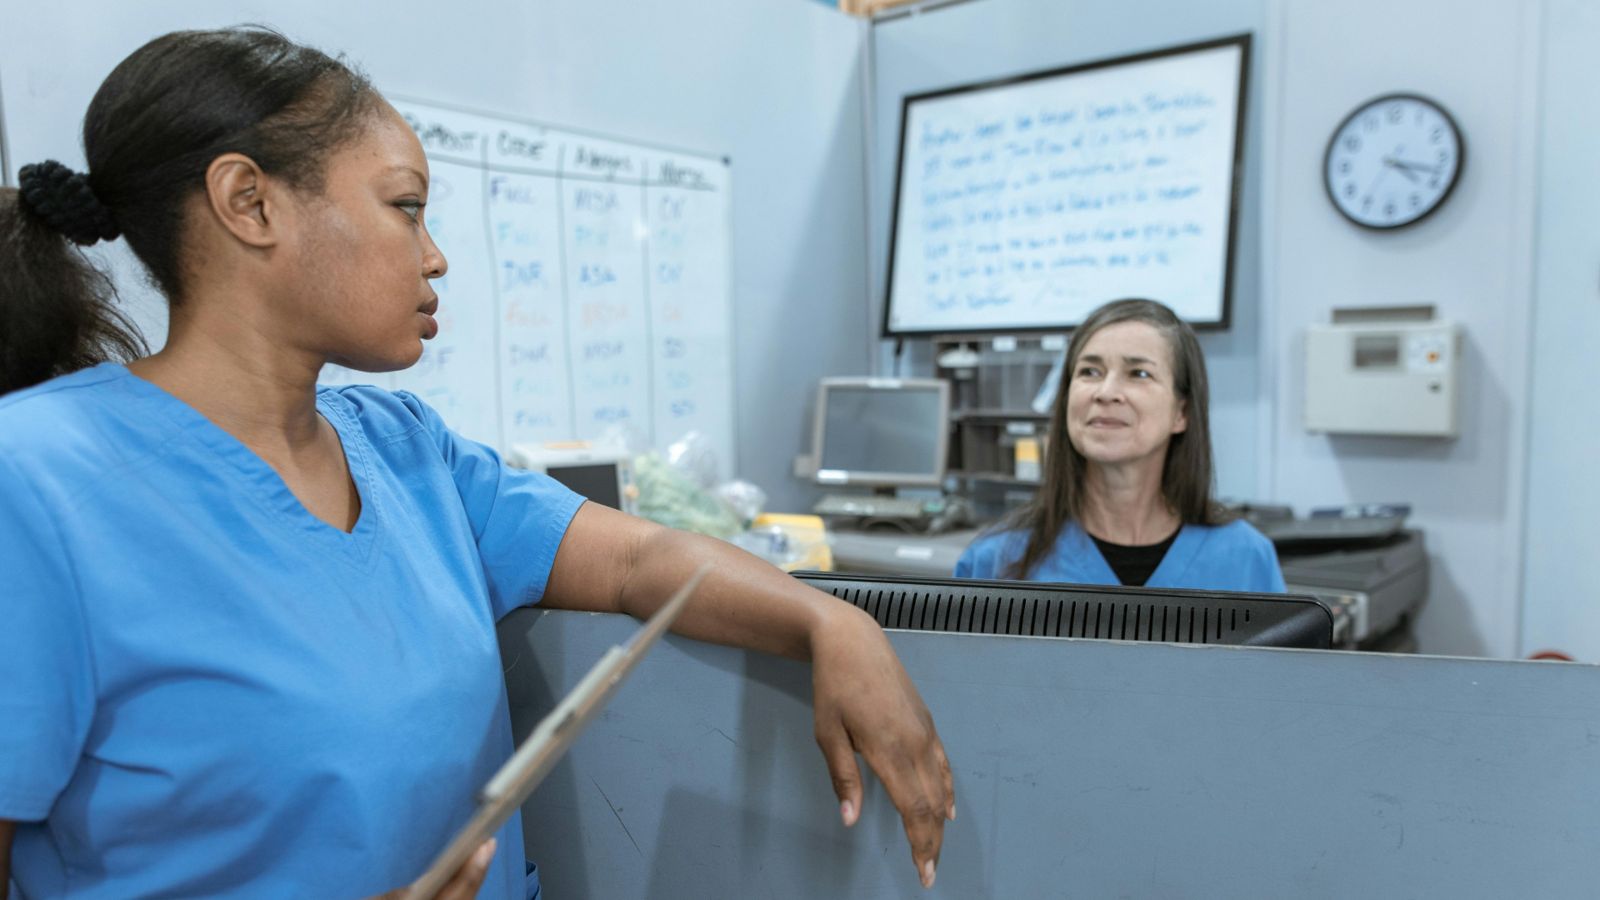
<point x="862" y="699"/>
<point x="465" y="884"/>
<point x="864" y="702"/>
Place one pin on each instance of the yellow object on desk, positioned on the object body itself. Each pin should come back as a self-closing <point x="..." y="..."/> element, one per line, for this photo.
<point x="806" y="533"/>
<point x="1027" y="459"/>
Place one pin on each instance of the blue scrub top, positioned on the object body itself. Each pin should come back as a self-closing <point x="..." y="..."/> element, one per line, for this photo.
<point x="1231" y="557"/>
<point x="206" y="691"/>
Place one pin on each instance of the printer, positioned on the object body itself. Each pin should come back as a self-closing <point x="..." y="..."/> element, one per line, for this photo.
<point x="1371" y="566"/>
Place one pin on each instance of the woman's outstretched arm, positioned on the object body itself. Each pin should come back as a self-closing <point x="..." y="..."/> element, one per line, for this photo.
<point x="862" y="699"/>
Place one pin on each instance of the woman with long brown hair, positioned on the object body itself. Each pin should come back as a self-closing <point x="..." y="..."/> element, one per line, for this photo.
<point x="1127" y="495"/>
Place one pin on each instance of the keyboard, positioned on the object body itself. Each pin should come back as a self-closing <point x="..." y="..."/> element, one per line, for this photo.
<point x="872" y="507"/>
<point x="1331" y="530"/>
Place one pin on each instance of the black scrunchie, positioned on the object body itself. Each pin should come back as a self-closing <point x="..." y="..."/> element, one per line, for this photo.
<point x="63" y="199"/>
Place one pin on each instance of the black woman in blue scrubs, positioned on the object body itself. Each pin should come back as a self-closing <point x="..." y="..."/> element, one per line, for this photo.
<point x="248" y="645"/>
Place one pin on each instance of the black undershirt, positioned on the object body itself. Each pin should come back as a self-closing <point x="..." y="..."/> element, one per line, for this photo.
<point x="1133" y="566"/>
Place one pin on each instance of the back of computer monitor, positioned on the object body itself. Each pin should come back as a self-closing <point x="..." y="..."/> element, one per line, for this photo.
<point x="1046" y="609"/>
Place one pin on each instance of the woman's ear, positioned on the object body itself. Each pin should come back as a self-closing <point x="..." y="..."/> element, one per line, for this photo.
<point x="1180" y="423"/>
<point x="239" y="197"/>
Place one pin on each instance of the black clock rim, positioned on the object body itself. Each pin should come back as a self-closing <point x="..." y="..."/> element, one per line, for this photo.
<point x="1461" y="159"/>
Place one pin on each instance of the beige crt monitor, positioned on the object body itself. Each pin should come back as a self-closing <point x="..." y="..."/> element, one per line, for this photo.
<point x="882" y="432"/>
<point x="600" y="472"/>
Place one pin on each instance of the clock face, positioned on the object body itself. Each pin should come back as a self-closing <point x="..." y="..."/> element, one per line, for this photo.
<point x="1393" y="161"/>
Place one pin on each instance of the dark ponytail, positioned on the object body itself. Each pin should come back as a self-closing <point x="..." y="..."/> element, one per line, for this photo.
<point x="152" y="130"/>
<point x="57" y="311"/>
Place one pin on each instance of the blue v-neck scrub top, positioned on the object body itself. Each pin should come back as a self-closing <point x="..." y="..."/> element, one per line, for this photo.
<point x="1231" y="557"/>
<point x="205" y="691"/>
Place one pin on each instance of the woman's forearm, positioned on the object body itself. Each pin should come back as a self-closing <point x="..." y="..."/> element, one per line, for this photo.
<point x="743" y="601"/>
<point x="611" y="562"/>
<point x="863" y="701"/>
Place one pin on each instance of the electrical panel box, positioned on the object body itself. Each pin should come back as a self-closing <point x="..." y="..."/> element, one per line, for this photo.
<point x="1383" y="375"/>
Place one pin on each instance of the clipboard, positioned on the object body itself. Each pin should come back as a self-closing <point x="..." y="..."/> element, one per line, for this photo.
<point x="538" y="754"/>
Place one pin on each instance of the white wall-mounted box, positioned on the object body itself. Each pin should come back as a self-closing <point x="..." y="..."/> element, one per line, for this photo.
<point x="1383" y="378"/>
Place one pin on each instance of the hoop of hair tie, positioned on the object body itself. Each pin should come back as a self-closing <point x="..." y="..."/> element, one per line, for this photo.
<point x="63" y="199"/>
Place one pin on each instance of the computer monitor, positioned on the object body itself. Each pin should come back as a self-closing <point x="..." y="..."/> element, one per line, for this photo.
<point x="1047" y="609"/>
<point x="600" y="473"/>
<point x="882" y="431"/>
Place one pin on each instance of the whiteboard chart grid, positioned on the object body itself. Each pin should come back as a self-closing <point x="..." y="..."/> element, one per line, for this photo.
<point x="589" y="285"/>
<point x="1024" y="203"/>
<point x="494" y="266"/>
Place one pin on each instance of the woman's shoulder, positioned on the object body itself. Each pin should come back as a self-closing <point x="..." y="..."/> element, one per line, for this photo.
<point x="81" y="416"/>
<point x="1247" y="554"/>
<point x="1238" y="533"/>
<point x="990" y="552"/>
<point x="405" y="431"/>
<point x="383" y="414"/>
<point x="997" y="538"/>
<point x="61" y="393"/>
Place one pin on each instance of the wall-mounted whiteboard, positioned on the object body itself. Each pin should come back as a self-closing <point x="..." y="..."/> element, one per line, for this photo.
<point x="1023" y="204"/>
<point x="588" y="285"/>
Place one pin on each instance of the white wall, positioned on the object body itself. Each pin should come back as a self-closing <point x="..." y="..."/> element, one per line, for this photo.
<point x="773" y="83"/>
<point x="1472" y="259"/>
<point x="990" y="38"/>
<point x="1561" y="587"/>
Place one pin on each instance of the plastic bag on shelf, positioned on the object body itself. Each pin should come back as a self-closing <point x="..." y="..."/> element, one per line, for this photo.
<point x="694" y="457"/>
<point x="678" y="488"/>
<point x="625" y="436"/>
<point x="743" y="498"/>
<point x="669" y="496"/>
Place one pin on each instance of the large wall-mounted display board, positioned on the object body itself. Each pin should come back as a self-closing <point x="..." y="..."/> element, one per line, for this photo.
<point x="1022" y="204"/>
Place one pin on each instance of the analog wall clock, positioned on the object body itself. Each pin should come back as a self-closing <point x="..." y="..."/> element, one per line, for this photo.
<point x="1393" y="161"/>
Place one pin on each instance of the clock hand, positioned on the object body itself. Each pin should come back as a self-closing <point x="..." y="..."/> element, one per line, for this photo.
<point x="1419" y="167"/>
<point x="1404" y="169"/>
<point x="1371" y="190"/>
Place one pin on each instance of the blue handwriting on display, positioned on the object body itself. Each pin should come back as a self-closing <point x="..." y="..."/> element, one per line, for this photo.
<point x="1093" y="186"/>
<point x="505" y="190"/>
<point x="520" y="274"/>
<point x="521" y="355"/>
<point x="595" y="200"/>
<point x="606" y="381"/>
<point x="602" y="350"/>
<point x="595" y="275"/>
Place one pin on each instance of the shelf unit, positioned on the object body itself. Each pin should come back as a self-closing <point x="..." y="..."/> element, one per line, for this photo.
<point x="994" y="381"/>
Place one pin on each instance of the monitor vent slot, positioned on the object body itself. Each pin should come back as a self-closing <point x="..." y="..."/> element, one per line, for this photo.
<point x="1042" y="615"/>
